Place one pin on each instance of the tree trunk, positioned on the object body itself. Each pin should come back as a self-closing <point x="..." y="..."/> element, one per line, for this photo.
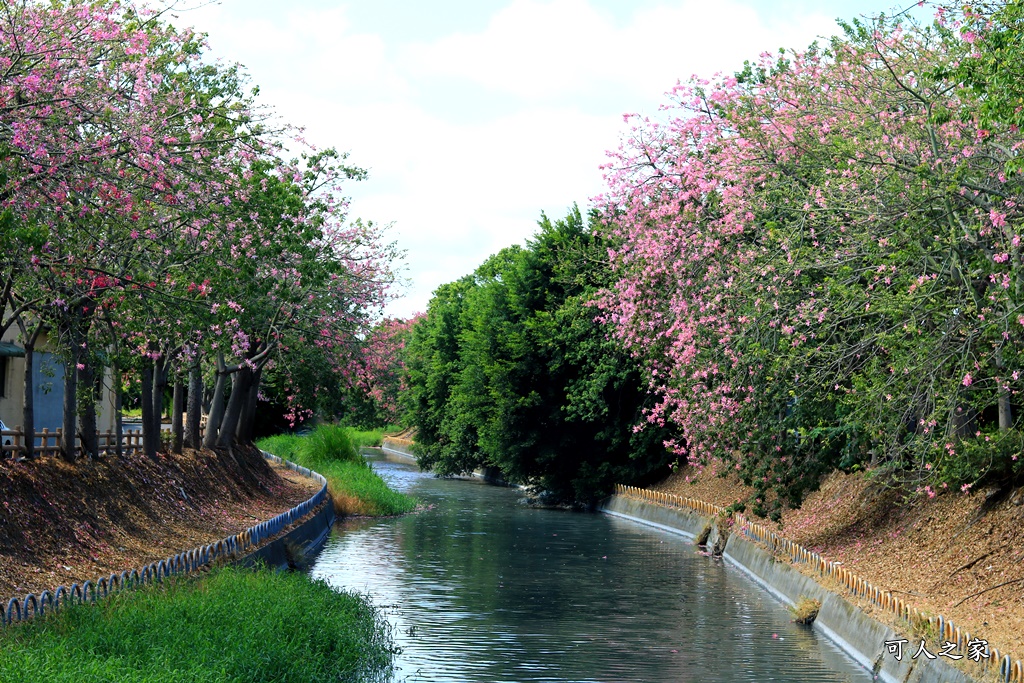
<point x="240" y="383"/>
<point x="248" y="421"/>
<point x="70" y="422"/>
<point x="28" y="408"/>
<point x="116" y="380"/>
<point x="964" y="421"/>
<point x="157" y="397"/>
<point x="87" y="385"/>
<point x="195" y="407"/>
<point x="216" y="405"/>
<point x="178" y="409"/>
<point x="149" y="439"/>
<point x="1005" y="409"/>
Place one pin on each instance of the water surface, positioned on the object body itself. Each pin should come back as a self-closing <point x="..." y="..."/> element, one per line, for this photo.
<point x="481" y="589"/>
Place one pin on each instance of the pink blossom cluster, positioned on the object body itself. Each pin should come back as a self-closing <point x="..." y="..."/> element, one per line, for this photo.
<point x="823" y="243"/>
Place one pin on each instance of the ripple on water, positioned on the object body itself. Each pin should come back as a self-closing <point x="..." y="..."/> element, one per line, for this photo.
<point x="479" y="589"/>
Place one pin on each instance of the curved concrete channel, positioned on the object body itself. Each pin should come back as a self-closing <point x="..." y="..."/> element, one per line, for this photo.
<point x="396" y="452"/>
<point x="291" y="550"/>
<point x="841" y="621"/>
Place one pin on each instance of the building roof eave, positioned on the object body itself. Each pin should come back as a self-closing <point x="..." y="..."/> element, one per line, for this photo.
<point x="7" y="349"/>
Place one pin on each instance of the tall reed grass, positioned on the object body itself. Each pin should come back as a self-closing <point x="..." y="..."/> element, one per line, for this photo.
<point x="333" y="451"/>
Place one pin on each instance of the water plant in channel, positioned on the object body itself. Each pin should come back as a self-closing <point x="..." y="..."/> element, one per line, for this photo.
<point x="332" y="451"/>
<point x="230" y="624"/>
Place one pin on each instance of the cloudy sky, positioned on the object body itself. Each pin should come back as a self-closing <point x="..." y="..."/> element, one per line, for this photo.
<point x="474" y="116"/>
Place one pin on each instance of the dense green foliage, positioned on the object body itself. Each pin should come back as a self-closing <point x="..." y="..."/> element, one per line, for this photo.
<point x="509" y="369"/>
<point x="229" y="625"/>
<point x="333" y="451"/>
<point x="992" y="36"/>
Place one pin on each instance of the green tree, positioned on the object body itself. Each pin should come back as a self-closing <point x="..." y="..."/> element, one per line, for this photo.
<point x="511" y="370"/>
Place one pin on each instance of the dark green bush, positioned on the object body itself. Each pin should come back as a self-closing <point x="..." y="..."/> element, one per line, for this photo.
<point x="992" y="456"/>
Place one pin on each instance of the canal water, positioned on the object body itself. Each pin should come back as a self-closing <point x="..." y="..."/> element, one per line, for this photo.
<point x="480" y="588"/>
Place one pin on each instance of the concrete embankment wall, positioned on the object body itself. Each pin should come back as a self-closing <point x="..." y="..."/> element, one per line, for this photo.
<point x="400" y="450"/>
<point x="838" y="619"/>
<point x="297" y="546"/>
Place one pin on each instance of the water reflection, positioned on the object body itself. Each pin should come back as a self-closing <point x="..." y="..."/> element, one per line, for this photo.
<point x="480" y="589"/>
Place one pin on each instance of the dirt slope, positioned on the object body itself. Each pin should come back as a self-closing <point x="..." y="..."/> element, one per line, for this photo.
<point x="62" y="522"/>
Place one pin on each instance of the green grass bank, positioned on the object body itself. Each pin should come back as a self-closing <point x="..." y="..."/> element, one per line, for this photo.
<point x="231" y="624"/>
<point x="333" y="451"/>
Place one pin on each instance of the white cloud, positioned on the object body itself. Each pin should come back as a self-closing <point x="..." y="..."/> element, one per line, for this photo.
<point x="539" y="49"/>
<point x="303" y="50"/>
<point x="458" y="180"/>
<point x="468" y="191"/>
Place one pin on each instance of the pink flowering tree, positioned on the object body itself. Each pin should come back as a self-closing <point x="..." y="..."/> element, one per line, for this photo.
<point x="818" y="262"/>
<point x="151" y="224"/>
<point x="102" y="131"/>
<point x="296" y="280"/>
<point x="376" y="377"/>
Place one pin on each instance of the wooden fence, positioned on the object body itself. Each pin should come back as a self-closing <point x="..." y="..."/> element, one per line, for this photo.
<point x="12" y="441"/>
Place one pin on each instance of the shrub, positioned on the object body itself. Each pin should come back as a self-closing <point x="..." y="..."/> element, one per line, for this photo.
<point x="329" y="443"/>
<point x="805" y="611"/>
<point x="991" y="456"/>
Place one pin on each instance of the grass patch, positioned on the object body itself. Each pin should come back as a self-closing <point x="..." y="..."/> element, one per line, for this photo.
<point x="283" y="446"/>
<point x="229" y="625"/>
<point x="805" y="611"/>
<point x="364" y="492"/>
<point x="367" y="437"/>
<point x="333" y="452"/>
